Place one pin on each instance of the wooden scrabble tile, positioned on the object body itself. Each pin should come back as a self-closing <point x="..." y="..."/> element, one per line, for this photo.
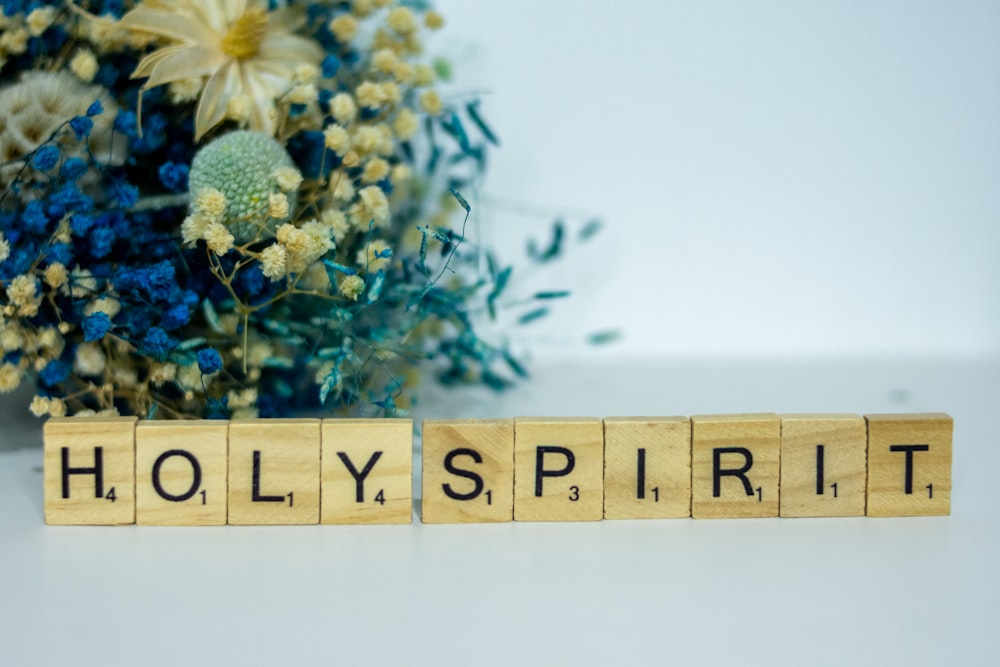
<point x="367" y="471"/>
<point x="274" y="471"/>
<point x="735" y="465"/>
<point x="909" y="464"/>
<point x="647" y="467"/>
<point x="181" y="470"/>
<point x="90" y="471"/>
<point x="558" y="469"/>
<point x="468" y="471"/>
<point x="823" y="465"/>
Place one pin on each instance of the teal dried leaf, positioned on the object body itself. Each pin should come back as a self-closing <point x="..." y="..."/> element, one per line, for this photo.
<point x="514" y="364"/>
<point x="330" y="383"/>
<point x="191" y="343"/>
<point x="422" y="263"/>
<point x="555" y="247"/>
<point x="552" y="295"/>
<point x="432" y="161"/>
<point x="276" y="327"/>
<point x="603" y="337"/>
<point x="278" y="362"/>
<point x="491" y="265"/>
<point x="494" y="381"/>
<point x="151" y="414"/>
<point x="375" y="287"/>
<point x="533" y="315"/>
<point x="435" y="234"/>
<point x="461" y="200"/>
<point x="453" y="126"/>
<point x="212" y="317"/>
<point x="590" y="229"/>
<point x="339" y="268"/>
<point x="473" y="110"/>
<point x="498" y="287"/>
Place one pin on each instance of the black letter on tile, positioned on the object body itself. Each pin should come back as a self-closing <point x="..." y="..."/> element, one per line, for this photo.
<point x="477" y="481"/>
<point x="541" y="472"/>
<point x="640" y="485"/>
<point x="718" y="472"/>
<point x="359" y="477"/>
<point x="819" y="470"/>
<point x="908" y="474"/>
<point x="195" y="470"/>
<point x="97" y="471"/>
<point x="256" y="497"/>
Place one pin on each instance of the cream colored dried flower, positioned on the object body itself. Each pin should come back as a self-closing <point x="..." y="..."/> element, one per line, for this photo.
<point x="336" y="139"/>
<point x="160" y="374"/>
<point x="343" y="108"/>
<point x="110" y="306"/>
<point x="303" y="94"/>
<point x="402" y="20"/>
<point x="236" y="46"/>
<point x="187" y="90"/>
<point x="193" y="228"/>
<point x="84" y="65"/>
<point x="375" y="170"/>
<point x="55" y="275"/>
<point x="90" y="359"/>
<point x="352" y="287"/>
<point x="210" y="203"/>
<point x="218" y="238"/>
<point x="57" y="408"/>
<point x="288" y="178"/>
<point x="39" y="406"/>
<point x="273" y="261"/>
<point x="11" y="339"/>
<point x="336" y="221"/>
<point x="277" y="207"/>
<point x="344" y="27"/>
<point x="375" y="205"/>
<point x="22" y="290"/>
<point x="431" y="103"/>
<point x="39" y="20"/>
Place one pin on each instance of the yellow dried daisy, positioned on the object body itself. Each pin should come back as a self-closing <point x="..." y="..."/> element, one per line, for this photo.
<point x="237" y="46"/>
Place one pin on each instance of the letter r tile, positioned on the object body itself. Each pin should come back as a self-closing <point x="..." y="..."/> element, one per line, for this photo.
<point x="735" y="465"/>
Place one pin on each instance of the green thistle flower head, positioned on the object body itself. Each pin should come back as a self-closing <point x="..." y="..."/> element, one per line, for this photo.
<point x="242" y="166"/>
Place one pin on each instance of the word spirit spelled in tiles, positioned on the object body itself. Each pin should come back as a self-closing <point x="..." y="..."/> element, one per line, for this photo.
<point x="113" y="471"/>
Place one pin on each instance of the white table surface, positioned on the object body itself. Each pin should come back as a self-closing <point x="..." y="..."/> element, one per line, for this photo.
<point x="920" y="591"/>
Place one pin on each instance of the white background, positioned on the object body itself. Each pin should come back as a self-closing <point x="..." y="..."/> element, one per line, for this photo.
<point x="776" y="177"/>
<point x="796" y="179"/>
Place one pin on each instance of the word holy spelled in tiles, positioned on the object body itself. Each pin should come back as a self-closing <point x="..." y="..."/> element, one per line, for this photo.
<point x="352" y="471"/>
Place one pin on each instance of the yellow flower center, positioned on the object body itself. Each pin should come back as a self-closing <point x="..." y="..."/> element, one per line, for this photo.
<point x="245" y="36"/>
